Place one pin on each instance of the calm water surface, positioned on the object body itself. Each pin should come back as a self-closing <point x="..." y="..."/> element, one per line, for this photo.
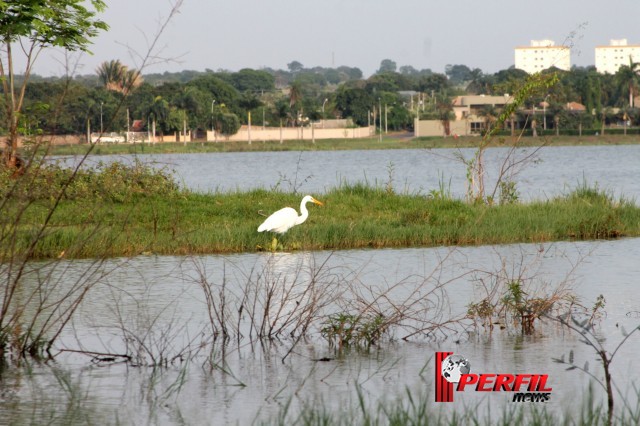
<point x="160" y="301"/>
<point x="155" y="306"/>
<point x="550" y="172"/>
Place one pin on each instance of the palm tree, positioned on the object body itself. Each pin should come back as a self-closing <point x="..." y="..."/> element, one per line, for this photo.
<point x="477" y="83"/>
<point x="627" y="76"/>
<point x="117" y="77"/>
<point x="112" y="74"/>
<point x="490" y="115"/>
<point x="295" y="96"/>
<point x="131" y="80"/>
<point x="158" y="112"/>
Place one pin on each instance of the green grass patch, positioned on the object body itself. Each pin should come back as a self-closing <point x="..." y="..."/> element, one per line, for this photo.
<point x="123" y="210"/>
<point x="354" y="216"/>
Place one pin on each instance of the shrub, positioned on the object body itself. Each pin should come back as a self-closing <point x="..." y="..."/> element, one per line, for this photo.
<point x="114" y="181"/>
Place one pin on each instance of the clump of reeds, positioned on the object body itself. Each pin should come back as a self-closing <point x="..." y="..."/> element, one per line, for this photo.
<point x="517" y="295"/>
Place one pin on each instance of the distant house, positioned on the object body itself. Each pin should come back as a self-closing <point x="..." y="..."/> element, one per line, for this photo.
<point x="137" y="126"/>
<point x="472" y="109"/>
<point x="575" y="107"/>
<point x="474" y="113"/>
<point x="470" y="116"/>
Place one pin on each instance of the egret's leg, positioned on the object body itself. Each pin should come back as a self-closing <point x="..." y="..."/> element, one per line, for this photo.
<point x="274" y="244"/>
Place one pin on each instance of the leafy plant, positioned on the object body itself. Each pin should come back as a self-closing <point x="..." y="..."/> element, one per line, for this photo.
<point x="114" y="181"/>
<point x="520" y="298"/>
<point x="348" y="330"/>
<point x="508" y="192"/>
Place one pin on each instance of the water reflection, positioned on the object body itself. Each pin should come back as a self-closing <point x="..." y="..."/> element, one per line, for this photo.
<point x="155" y="307"/>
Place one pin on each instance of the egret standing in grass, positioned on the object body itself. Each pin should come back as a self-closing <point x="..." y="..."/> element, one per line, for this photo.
<point x="286" y="218"/>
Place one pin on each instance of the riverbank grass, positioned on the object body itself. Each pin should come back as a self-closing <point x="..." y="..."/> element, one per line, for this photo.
<point x="353" y="217"/>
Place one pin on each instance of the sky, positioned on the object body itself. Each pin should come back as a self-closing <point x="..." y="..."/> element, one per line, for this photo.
<point x="235" y="34"/>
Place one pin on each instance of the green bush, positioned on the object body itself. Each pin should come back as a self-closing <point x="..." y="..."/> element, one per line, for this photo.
<point x="110" y="182"/>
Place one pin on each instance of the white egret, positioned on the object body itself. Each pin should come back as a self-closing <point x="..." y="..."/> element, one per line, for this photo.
<point x="286" y="218"/>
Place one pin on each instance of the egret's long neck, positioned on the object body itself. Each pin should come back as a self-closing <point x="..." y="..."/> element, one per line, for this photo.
<point x="304" y="213"/>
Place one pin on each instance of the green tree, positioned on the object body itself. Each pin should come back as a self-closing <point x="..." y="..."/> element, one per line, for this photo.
<point x="31" y="26"/>
<point x="350" y="73"/>
<point x="355" y="103"/>
<point x="627" y="77"/>
<point x="218" y="90"/>
<point x="457" y="74"/>
<point x="508" y="81"/>
<point x="295" y="98"/>
<point x="387" y="65"/>
<point x="228" y="124"/>
<point x="477" y="82"/>
<point x="490" y="115"/>
<point x="408" y="70"/>
<point x="255" y="81"/>
<point x="295" y="66"/>
<point x="437" y="83"/>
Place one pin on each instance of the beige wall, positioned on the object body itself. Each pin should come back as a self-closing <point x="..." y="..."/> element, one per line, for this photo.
<point x="138" y="137"/>
<point x="435" y="128"/>
<point x="47" y="139"/>
<point x="257" y="133"/>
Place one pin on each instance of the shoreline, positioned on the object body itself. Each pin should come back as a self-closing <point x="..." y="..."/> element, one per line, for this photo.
<point x="392" y="141"/>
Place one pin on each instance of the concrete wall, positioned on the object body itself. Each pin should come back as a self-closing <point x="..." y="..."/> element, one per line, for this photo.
<point x="48" y="139"/>
<point x="435" y="128"/>
<point x="258" y="133"/>
<point x="138" y="137"/>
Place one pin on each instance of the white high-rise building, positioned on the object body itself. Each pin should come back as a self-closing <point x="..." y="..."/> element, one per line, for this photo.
<point x="542" y="54"/>
<point x="610" y="58"/>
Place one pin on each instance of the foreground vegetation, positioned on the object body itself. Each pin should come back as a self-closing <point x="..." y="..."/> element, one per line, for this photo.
<point x="416" y="408"/>
<point x="129" y="210"/>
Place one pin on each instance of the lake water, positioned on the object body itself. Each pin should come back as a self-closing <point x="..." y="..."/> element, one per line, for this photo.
<point x="155" y="309"/>
<point x="548" y="172"/>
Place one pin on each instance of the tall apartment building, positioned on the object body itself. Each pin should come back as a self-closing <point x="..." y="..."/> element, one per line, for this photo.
<point x="610" y="58"/>
<point x="542" y="54"/>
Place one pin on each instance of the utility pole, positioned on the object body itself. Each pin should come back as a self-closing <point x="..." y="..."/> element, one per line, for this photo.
<point x="385" y="120"/>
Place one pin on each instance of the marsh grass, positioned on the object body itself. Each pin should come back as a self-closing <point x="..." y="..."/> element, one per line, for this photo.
<point x="354" y="216"/>
<point x="416" y="408"/>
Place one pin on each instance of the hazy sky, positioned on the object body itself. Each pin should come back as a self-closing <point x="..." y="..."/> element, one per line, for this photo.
<point x="236" y="34"/>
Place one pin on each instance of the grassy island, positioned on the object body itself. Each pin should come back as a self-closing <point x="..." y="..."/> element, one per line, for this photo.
<point x="129" y="210"/>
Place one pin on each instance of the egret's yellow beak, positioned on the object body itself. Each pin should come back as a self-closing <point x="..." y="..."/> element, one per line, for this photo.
<point x="320" y="203"/>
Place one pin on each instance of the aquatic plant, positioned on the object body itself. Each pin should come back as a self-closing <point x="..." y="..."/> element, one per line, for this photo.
<point x="517" y="295"/>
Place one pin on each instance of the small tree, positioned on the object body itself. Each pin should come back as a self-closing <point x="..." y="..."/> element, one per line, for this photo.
<point x="32" y="26"/>
<point x="229" y="124"/>
<point x="387" y="65"/>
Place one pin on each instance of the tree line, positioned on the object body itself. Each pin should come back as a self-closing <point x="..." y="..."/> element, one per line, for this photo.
<point x="222" y="100"/>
